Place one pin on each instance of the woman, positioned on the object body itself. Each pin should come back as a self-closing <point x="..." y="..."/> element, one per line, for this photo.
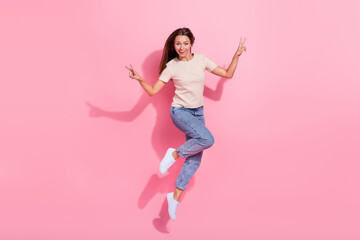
<point x="186" y="69"/>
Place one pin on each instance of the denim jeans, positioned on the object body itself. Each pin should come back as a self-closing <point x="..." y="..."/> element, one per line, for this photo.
<point x="191" y="121"/>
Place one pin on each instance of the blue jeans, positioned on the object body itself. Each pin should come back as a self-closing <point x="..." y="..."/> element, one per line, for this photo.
<point x="191" y="122"/>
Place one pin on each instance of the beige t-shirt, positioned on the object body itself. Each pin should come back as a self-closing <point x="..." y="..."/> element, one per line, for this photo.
<point x="188" y="79"/>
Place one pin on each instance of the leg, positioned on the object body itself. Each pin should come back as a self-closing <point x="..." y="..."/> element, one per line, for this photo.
<point x="177" y="193"/>
<point x="198" y="138"/>
<point x="191" y="122"/>
<point x="191" y="164"/>
<point x="175" y="155"/>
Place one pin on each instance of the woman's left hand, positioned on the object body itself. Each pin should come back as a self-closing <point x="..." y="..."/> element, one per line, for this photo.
<point x="241" y="47"/>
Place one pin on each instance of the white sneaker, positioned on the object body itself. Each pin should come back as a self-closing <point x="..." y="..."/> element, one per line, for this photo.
<point x="167" y="161"/>
<point x="172" y="205"/>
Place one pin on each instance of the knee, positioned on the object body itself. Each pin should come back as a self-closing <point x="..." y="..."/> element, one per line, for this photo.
<point x="209" y="140"/>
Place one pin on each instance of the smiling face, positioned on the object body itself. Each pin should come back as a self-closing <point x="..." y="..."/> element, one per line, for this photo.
<point x="182" y="45"/>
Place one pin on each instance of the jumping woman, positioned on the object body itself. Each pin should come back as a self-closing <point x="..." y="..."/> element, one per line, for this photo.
<point x="186" y="69"/>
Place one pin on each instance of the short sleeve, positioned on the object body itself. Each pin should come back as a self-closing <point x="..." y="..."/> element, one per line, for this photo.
<point x="165" y="75"/>
<point x="209" y="65"/>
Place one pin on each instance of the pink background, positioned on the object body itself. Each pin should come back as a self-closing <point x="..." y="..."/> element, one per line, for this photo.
<point x="81" y="142"/>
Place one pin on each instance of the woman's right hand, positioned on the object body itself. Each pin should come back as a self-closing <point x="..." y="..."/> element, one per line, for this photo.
<point x="133" y="74"/>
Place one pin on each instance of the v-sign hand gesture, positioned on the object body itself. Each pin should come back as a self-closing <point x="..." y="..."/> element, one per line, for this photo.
<point x="133" y="74"/>
<point x="241" y="47"/>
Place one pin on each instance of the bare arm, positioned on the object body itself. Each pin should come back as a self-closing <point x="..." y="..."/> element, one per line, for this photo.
<point x="229" y="73"/>
<point x="150" y="89"/>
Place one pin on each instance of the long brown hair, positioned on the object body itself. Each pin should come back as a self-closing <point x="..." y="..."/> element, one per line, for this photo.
<point x="169" y="51"/>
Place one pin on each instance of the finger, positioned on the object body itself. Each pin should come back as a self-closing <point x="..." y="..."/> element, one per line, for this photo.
<point x="242" y="44"/>
<point x="133" y="69"/>
<point x="244" y="41"/>
<point x="128" y="68"/>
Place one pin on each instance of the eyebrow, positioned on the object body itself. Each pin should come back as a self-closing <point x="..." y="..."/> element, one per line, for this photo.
<point x="184" y="41"/>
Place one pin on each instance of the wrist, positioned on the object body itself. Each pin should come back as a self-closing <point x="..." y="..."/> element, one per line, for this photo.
<point x="236" y="56"/>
